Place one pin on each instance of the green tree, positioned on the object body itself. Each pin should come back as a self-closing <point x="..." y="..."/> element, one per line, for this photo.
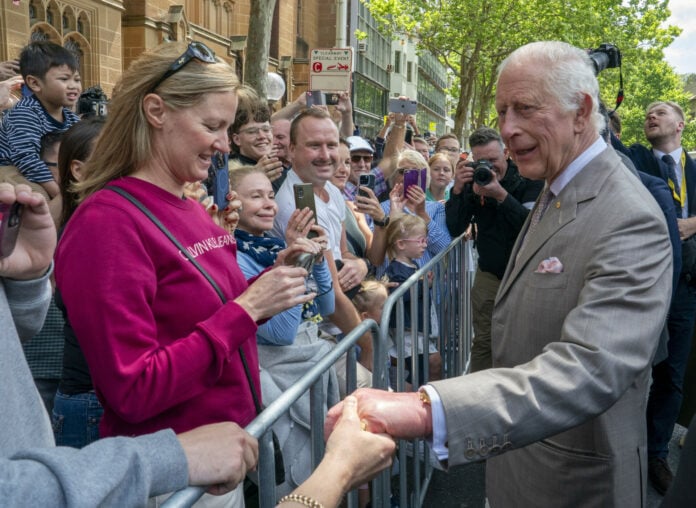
<point x="472" y="37"/>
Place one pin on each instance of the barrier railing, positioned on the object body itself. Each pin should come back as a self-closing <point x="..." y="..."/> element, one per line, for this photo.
<point x="260" y="426"/>
<point x="450" y="290"/>
<point x="453" y="271"/>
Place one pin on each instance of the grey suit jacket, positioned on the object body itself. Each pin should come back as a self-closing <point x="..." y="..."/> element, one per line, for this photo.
<point x="571" y="351"/>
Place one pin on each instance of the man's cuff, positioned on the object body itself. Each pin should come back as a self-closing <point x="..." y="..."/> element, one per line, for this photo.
<point x="438" y="441"/>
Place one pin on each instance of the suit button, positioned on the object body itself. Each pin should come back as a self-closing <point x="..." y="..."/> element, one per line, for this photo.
<point x="470" y="454"/>
<point x="495" y="449"/>
<point x="506" y="446"/>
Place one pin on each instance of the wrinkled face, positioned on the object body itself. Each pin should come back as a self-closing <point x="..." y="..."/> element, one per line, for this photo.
<point x="440" y="173"/>
<point x="315" y="152"/>
<point x="259" y="206"/>
<point x="662" y="123"/>
<point x="340" y="176"/>
<point x="360" y="163"/>
<point x="255" y="139"/>
<point x="540" y="136"/>
<point x="422" y="148"/>
<point x="281" y="139"/>
<point x="60" y="87"/>
<point x="184" y="145"/>
<point x="495" y="154"/>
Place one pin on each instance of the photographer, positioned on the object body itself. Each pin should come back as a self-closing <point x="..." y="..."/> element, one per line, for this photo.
<point x="498" y="209"/>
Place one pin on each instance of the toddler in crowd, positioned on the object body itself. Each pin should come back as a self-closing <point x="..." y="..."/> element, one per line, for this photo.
<point x="407" y="239"/>
<point x="51" y="74"/>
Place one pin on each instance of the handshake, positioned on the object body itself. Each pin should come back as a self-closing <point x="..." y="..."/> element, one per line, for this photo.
<point x="400" y="415"/>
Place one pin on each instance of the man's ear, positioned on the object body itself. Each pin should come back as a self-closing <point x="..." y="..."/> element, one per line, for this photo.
<point x="33" y="83"/>
<point x="155" y="110"/>
<point x="583" y="113"/>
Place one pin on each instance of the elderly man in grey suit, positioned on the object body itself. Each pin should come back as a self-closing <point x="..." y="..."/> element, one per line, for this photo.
<point x="560" y="417"/>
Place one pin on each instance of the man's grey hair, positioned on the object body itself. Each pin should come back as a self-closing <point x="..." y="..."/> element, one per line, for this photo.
<point x="567" y="73"/>
<point x="484" y="135"/>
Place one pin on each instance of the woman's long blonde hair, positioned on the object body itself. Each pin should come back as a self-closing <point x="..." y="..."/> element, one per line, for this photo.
<point x="124" y="144"/>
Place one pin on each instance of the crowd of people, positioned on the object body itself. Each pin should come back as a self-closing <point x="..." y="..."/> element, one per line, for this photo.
<point x="178" y="308"/>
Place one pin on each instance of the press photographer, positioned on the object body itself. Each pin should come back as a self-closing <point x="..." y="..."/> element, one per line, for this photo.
<point x="490" y="194"/>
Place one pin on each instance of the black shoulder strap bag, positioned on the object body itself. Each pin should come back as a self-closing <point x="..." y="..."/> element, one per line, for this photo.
<point x="277" y="451"/>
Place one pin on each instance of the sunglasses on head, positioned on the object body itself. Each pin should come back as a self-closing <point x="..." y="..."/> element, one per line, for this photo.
<point x="357" y="158"/>
<point x="195" y="50"/>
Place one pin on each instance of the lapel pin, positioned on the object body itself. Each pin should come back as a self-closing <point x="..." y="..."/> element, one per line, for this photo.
<point x="558" y="204"/>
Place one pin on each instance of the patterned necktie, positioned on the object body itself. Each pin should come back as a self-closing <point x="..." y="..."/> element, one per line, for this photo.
<point x="672" y="166"/>
<point x="538" y="212"/>
<point x="674" y="183"/>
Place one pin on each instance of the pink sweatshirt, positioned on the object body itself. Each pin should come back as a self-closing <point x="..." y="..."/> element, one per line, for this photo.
<point x="161" y="347"/>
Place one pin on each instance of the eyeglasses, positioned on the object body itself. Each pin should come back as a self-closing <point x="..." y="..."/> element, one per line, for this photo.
<point x="401" y="171"/>
<point x="449" y="149"/>
<point x="421" y="240"/>
<point x="196" y="50"/>
<point x="357" y="158"/>
<point x="255" y="130"/>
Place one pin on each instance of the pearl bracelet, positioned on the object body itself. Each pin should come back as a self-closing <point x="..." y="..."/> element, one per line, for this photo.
<point x="301" y="499"/>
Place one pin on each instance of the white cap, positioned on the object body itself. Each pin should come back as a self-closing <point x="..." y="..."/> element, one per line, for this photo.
<point x="359" y="144"/>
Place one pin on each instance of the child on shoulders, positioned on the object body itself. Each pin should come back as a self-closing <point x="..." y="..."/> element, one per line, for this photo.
<point x="50" y="72"/>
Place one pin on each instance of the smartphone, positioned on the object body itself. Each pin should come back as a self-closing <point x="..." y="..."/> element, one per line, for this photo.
<point x="331" y="99"/>
<point x="405" y="106"/>
<point x="218" y="181"/>
<point x="415" y="177"/>
<point x="366" y="180"/>
<point x="10" y="220"/>
<point x="315" y="98"/>
<point x="304" y="198"/>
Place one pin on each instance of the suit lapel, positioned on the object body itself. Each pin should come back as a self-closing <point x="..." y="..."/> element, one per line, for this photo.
<point x="562" y="210"/>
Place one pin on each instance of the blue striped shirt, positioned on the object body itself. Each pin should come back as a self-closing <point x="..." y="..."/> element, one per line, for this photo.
<point x="20" y="137"/>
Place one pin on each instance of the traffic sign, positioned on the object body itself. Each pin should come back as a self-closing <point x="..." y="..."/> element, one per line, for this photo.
<point x="330" y="69"/>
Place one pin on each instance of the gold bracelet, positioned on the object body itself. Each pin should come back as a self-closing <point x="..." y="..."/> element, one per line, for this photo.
<point x="301" y="499"/>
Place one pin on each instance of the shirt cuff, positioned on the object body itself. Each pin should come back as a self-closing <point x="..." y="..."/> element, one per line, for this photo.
<point x="438" y="441"/>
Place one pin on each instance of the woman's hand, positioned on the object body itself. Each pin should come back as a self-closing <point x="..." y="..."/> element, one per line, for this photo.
<point x="396" y="200"/>
<point x="415" y="200"/>
<point x="290" y="255"/>
<point x="271" y="165"/>
<point x="276" y="290"/>
<point x="299" y="225"/>
<point x="227" y="218"/>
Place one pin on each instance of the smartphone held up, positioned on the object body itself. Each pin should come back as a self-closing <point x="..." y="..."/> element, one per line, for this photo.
<point x="417" y="177"/>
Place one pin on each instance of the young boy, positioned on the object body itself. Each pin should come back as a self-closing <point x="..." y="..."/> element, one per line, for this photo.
<point x="50" y="72"/>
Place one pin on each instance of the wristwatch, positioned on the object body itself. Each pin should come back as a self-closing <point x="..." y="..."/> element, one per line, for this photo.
<point x="382" y="223"/>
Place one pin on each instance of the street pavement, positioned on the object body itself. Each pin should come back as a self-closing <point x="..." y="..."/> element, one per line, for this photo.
<point x="463" y="486"/>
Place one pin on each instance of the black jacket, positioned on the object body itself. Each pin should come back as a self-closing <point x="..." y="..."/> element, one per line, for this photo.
<point x="497" y="225"/>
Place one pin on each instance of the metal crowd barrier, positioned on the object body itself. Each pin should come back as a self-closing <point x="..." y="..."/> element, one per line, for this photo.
<point x="450" y="290"/>
<point x="260" y="426"/>
<point x="453" y="271"/>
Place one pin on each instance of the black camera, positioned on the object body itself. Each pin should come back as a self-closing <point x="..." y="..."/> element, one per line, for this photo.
<point x="92" y="102"/>
<point x="483" y="171"/>
<point x="606" y="56"/>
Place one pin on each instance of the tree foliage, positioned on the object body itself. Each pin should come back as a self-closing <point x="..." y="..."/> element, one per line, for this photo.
<point x="472" y="37"/>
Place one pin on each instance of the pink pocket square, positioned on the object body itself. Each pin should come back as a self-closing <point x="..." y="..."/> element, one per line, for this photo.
<point x="550" y="265"/>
